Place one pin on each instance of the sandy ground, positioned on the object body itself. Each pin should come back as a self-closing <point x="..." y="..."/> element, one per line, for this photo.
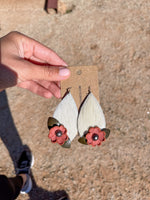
<point x="115" y="36"/>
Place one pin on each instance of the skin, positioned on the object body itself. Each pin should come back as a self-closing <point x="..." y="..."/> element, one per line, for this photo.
<point x="24" y="178"/>
<point x="26" y="63"/>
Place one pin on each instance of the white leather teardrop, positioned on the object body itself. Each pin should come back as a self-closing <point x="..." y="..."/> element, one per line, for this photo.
<point x="90" y="115"/>
<point x="66" y="113"/>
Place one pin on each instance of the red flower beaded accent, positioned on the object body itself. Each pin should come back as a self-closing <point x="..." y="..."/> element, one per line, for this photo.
<point x="95" y="136"/>
<point x="58" y="134"/>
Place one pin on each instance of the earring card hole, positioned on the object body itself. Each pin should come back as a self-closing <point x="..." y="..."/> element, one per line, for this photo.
<point x="82" y="78"/>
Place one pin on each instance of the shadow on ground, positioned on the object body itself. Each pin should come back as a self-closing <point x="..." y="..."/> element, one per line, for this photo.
<point x="13" y="143"/>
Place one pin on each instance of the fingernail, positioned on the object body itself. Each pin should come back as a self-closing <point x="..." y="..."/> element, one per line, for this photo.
<point x="64" y="72"/>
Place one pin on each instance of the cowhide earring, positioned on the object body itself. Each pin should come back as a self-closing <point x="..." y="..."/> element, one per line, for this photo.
<point x="91" y="122"/>
<point x="63" y="125"/>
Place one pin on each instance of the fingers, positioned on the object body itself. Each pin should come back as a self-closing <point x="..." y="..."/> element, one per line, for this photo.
<point x="58" y="84"/>
<point x="42" y="88"/>
<point x="39" y="52"/>
<point x="31" y="61"/>
<point x="52" y="87"/>
<point x="35" y="88"/>
<point x="31" y="71"/>
<point x="32" y="49"/>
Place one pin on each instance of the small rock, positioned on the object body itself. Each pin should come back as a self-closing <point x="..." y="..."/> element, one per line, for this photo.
<point x="93" y="46"/>
<point x="118" y="67"/>
<point x="65" y="6"/>
<point x="51" y="11"/>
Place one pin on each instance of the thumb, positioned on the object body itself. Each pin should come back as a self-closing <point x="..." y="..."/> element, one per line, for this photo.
<point x="44" y="72"/>
<point x="53" y="73"/>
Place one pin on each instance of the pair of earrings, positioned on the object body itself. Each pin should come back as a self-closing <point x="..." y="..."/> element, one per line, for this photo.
<point x="67" y="122"/>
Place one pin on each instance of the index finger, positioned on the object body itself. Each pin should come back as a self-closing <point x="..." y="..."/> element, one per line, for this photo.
<point x="43" y="53"/>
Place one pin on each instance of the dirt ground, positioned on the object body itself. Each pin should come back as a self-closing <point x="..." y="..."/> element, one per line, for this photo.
<point x="115" y="36"/>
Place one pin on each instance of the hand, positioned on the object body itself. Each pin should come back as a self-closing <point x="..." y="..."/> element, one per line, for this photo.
<point x="28" y="64"/>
